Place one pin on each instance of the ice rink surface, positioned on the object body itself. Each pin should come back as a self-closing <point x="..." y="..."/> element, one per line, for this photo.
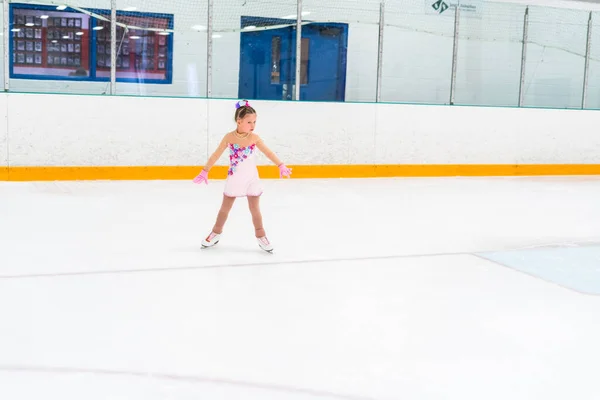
<point x="412" y="289"/>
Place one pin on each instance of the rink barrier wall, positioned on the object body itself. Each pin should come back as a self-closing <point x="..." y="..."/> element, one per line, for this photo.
<point x="299" y="171"/>
<point x="3" y="137"/>
<point x="83" y="137"/>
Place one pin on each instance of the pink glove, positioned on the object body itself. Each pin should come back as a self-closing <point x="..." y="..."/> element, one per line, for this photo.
<point x="284" y="171"/>
<point x="202" y="177"/>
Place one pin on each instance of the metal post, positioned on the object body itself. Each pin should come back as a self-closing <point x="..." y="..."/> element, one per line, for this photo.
<point x="113" y="47"/>
<point x="524" y="57"/>
<point x="209" y="49"/>
<point x="454" y="52"/>
<point x="380" y="51"/>
<point x="586" y="70"/>
<point x="298" y="49"/>
<point x="6" y="41"/>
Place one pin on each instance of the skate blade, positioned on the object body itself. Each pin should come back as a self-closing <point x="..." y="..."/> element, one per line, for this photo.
<point x="208" y="247"/>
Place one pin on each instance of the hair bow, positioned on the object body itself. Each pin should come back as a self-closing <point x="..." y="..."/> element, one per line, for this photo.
<point x="242" y="103"/>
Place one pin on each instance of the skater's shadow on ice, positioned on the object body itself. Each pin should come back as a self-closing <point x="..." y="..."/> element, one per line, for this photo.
<point x="222" y="250"/>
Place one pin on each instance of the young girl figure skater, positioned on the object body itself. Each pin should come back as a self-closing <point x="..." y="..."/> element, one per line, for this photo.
<point x="242" y="177"/>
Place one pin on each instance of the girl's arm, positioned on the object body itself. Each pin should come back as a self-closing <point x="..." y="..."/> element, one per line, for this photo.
<point x="216" y="155"/>
<point x="268" y="152"/>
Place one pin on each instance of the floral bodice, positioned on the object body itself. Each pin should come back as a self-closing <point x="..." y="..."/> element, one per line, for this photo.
<point x="237" y="155"/>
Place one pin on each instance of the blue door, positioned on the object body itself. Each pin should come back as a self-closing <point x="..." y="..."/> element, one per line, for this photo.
<point x="268" y="60"/>
<point x="266" y="64"/>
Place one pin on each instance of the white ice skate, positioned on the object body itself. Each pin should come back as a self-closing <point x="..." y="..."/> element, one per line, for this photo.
<point x="264" y="244"/>
<point x="211" y="240"/>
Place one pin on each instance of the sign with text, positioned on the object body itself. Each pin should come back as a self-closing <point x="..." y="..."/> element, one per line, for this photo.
<point x="469" y="8"/>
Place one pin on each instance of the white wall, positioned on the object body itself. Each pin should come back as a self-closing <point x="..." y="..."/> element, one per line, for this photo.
<point x="3" y="131"/>
<point x="100" y="130"/>
<point x="132" y="131"/>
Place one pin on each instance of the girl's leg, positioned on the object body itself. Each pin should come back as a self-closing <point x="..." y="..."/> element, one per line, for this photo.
<point x="253" y="203"/>
<point x="223" y="214"/>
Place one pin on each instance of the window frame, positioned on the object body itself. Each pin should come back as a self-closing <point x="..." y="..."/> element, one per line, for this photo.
<point x="91" y="38"/>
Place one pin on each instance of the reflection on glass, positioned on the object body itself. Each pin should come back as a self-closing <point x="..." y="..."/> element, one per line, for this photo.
<point x="342" y="54"/>
<point x="276" y="60"/>
<point x="555" y="57"/>
<point x="417" y="53"/>
<point x="1" y="50"/>
<point x="49" y="43"/>
<point x="252" y="56"/>
<point x="593" y="91"/>
<point x="142" y="54"/>
<point x="169" y="49"/>
<point x="62" y="44"/>
<point x="162" y="50"/>
<point x="304" y="60"/>
<point x="489" y="55"/>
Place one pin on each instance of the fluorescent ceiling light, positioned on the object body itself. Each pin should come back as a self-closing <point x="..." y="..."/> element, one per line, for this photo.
<point x="60" y="8"/>
<point x="55" y="41"/>
<point x="15" y="30"/>
<point x="134" y="37"/>
<point x="164" y="33"/>
<point x="65" y="37"/>
<point x="44" y="17"/>
<point x="98" y="28"/>
<point x="29" y="24"/>
<point x="79" y="33"/>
